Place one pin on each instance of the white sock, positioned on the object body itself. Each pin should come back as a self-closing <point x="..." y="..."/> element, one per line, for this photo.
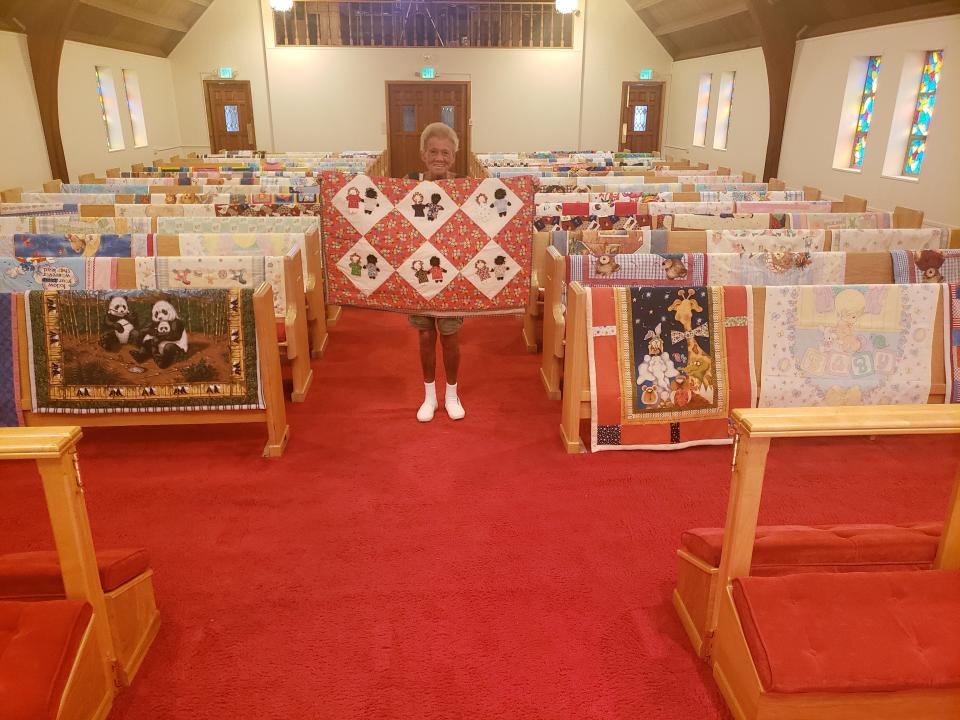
<point x="452" y="403"/>
<point x="429" y="406"/>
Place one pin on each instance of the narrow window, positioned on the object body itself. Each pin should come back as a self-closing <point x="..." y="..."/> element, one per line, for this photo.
<point x="867" y="98"/>
<point x="703" y="110"/>
<point x="108" y="106"/>
<point x="926" y="100"/>
<point x="724" y="103"/>
<point x="131" y="84"/>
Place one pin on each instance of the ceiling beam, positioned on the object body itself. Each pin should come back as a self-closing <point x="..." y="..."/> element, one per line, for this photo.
<point x="732" y="46"/>
<point x="201" y="3"/>
<point x="121" y="9"/>
<point x="116" y="43"/>
<point x="726" y="10"/>
<point x="644" y="4"/>
<point x="887" y="17"/>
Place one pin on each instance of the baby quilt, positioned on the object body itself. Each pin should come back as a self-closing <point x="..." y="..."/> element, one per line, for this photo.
<point x="667" y="365"/>
<point x="142" y="350"/>
<point x="453" y="247"/>
<point x="847" y="345"/>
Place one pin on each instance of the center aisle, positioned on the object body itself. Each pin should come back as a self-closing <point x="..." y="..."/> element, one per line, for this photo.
<point x="388" y="569"/>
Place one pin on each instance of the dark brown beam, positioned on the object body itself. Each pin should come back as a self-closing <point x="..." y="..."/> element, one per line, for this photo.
<point x="778" y="31"/>
<point x="888" y="17"/>
<point x="46" y="29"/>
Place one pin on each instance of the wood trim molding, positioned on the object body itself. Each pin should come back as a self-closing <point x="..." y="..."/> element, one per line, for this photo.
<point x="778" y="31"/>
<point x="46" y="30"/>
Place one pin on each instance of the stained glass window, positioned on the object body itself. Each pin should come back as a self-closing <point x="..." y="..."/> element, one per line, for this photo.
<point x="724" y="105"/>
<point x="926" y="101"/>
<point x="135" y="105"/>
<point x="639" y="118"/>
<point x="107" y="92"/>
<point x="703" y="110"/>
<point x="867" y="99"/>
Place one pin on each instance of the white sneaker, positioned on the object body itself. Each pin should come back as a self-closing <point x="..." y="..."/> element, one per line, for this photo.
<point x="426" y="411"/>
<point x="454" y="408"/>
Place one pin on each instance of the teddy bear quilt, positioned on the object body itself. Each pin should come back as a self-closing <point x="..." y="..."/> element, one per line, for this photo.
<point x="446" y="248"/>
<point x="142" y="350"/>
<point x="667" y="365"/>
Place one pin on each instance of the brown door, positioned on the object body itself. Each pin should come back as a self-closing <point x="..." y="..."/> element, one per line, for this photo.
<point x="640" y="110"/>
<point x="411" y="106"/>
<point x="230" y="115"/>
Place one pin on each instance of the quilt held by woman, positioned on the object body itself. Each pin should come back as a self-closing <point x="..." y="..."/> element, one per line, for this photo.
<point x="453" y="247"/>
<point x="142" y="350"/>
<point x="847" y="345"/>
<point x="667" y="365"/>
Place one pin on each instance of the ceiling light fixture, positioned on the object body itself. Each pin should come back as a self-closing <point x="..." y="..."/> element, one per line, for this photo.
<point x="281" y="5"/>
<point x="566" y="6"/>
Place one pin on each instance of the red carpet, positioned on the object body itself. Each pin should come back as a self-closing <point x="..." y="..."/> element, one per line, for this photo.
<point x="386" y="569"/>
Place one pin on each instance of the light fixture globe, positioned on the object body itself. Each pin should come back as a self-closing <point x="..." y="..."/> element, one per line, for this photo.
<point x="566" y="6"/>
<point x="281" y="5"/>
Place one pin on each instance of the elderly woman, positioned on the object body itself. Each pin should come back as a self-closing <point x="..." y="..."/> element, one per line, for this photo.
<point x="438" y="151"/>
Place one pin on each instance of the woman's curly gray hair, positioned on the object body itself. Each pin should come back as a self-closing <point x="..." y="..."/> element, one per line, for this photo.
<point x="439" y="130"/>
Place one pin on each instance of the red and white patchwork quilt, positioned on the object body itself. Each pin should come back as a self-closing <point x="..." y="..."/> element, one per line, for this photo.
<point x="452" y="247"/>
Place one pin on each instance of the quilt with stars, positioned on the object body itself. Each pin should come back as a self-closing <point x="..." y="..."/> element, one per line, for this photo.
<point x="668" y="365"/>
<point x="447" y="248"/>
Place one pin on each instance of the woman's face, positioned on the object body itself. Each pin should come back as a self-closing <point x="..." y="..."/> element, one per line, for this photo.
<point x="438" y="156"/>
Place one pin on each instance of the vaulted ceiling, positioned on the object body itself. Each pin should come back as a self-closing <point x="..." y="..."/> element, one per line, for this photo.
<point x="153" y="27"/>
<point x="694" y="28"/>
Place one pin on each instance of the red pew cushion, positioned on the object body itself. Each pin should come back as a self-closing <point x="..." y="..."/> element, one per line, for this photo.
<point x="281" y="331"/>
<point x="37" y="574"/>
<point x="38" y="645"/>
<point x="812" y="548"/>
<point x="852" y="632"/>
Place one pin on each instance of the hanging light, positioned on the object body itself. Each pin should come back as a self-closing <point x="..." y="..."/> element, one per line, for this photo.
<point x="281" y="5"/>
<point x="566" y="6"/>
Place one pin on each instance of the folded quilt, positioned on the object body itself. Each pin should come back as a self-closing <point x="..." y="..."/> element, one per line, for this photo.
<point x="926" y="266"/>
<point x="890" y="239"/>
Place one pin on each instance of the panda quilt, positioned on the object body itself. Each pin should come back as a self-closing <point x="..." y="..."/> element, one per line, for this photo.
<point x="447" y="248"/>
<point x="667" y="365"/>
<point x="142" y="350"/>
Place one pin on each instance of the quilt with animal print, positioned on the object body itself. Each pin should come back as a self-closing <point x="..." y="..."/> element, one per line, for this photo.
<point x="142" y="350"/>
<point x="926" y="266"/>
<point x="847" y="345"/>
<point x="667" y="365"/>
<point x="610" y="270"/>
<point x="453" y="247"/>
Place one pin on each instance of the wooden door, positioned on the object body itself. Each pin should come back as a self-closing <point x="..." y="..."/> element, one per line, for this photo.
<point x="230" y="115"/>
<point x="640" y="116"/>
<point x="411" y="106"/>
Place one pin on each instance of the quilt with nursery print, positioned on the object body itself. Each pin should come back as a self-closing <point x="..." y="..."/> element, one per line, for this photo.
<point x="447" y="248"/>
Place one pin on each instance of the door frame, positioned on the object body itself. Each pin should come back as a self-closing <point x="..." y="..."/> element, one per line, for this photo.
<point x="623" y="101"/>
<point x="206" y="101"/>
<point x="464" y="142"/>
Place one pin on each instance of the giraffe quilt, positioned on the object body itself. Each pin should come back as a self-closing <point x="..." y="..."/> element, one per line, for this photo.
<point x="668" y="365"/>
<point x="447" y="248"/>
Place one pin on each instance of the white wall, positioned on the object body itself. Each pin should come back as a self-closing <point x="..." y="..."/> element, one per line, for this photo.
<point x="749" y="115"/>
<point x="228" y="34"/>
<point x="81" y="119"/>
<point x="816" y="99"/>
<point x="334" y="98"/>
<point x="618" y="45"/>
<point x="23" y="152"/>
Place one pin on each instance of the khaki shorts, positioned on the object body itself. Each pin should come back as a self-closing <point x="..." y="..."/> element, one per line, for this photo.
<point x="444" y="325"/>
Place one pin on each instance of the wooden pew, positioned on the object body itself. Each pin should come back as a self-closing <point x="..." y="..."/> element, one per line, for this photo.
<point x="11" y="195"/>
<point x="576" y="399"/>
<point x="273" y="415"/>
<point x="532" y="328"/>
<point x="52" y="186"/>
<point x="734" y="667"/>
<point x="89" y="690"/>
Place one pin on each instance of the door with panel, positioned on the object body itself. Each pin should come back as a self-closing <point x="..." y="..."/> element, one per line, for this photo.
<point x="640" y="116"/>
<point x="411" y="106"/>
<point x="230" y="115"/>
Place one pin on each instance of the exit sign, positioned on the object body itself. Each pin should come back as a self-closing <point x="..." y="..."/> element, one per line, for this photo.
<point x="428" y="73"/>
<point x="226" y="73"/>
<point x="646" y="74"/>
